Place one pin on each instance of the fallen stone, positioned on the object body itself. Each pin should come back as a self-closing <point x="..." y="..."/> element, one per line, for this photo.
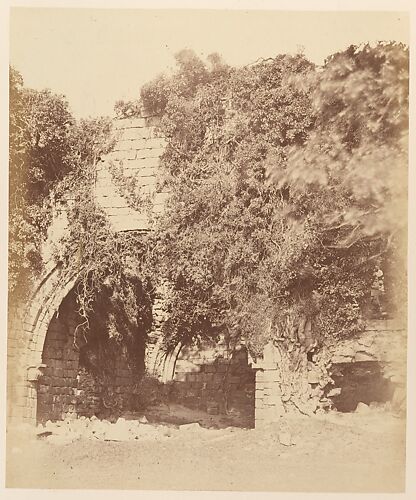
<point x="62" y="439"/>
<point x="313" y="377"/>
<point x="362" y="408"/>
<point x="58" y="429"/>
<point x="341" y="358"/>
<point x="285" y="438"/>
<point x="194" y="426"/>
<point x="334" y="392"/>
<point x="49" y="424"/>
<point x="97" y="429"/>
<point x="363" y="356"/>
<point x="143" y="420"/>
<point x="118" y="433"/>
<point x="375" y="405"/>
<point x="145" y="430"/>
<point x="43" y="434"/>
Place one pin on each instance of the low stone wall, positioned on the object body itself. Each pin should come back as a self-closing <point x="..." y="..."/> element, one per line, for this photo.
<point x="216" y="379"/>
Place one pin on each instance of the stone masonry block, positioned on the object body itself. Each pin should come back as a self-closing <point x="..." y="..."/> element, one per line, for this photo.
<point x="129" y="123"/>
<point x="130" y="134"/>
<point x="139" y="163"/>
<point x="122" y="155"/>
<point x="150" y="153"/>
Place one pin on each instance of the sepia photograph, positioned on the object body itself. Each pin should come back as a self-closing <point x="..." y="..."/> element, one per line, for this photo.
<point x="207" y="245"/>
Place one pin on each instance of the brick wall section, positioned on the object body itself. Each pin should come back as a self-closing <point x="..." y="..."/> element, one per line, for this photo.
<point x="384" y="341"/>
<point x="137" y="153"/>
<point x="27" y="327"/>
<point x="158" y="364"/>
<point x="213" y="378"/>
<point x="21" y="399"/>
<point x="58" y="384"/>
<point x="268" y="403"/>
<point x="67" y="389"/>
<point x="106" y="398"/>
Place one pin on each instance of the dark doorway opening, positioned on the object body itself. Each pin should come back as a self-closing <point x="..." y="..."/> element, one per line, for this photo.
<point x="361" y="381"/>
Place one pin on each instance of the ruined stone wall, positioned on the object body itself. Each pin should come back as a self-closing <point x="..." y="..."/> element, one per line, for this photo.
<point x="58" y="385"/>
<point x="382" y="343"/>
<point x="137" y="152"/>
<point x="21" y="394"/>
<point x="67" y="388"/>
<point x="214" y="378"/>
<point x="107" y="397"/>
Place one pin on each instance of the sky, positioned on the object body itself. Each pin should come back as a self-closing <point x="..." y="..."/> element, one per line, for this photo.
<point x="97" y="56"/>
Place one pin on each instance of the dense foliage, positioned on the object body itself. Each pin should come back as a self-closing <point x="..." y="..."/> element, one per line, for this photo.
<point x="287" y="197"/>
<point x="287" y="192"/>
<point x="52" y="163"/>
<point x="40" y="155"/>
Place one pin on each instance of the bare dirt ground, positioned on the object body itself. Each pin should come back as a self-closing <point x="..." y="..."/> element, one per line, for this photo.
<point x="333" y="453"/>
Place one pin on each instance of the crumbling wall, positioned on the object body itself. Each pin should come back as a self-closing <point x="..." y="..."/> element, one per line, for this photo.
<point x="371" y="367"/>
<point x="378" y="354"/>
<point x="68" y="386"/>
<point x="136" y="154"/>
<point x="212" y="377"/>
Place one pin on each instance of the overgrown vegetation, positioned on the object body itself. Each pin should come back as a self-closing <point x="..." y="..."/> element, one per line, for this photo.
<point x="288" y="194"/>
<point x="41" y="153"/>
<point x="52" y="162"/>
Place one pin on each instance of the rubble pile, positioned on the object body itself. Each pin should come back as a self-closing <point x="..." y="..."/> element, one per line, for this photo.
<point x="68" y="431"/>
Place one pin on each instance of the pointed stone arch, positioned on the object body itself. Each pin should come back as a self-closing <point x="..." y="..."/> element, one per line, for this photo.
<point x="27" y="333"/>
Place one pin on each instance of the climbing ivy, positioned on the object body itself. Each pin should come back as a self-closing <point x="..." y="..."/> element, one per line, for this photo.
<point x="287" y="194"/>
<point x="53" y="161"/>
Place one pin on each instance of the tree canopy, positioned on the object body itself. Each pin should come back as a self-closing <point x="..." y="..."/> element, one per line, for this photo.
<point x="287" y="191"/>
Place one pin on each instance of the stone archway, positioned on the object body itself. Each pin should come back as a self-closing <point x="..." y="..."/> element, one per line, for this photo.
<point x="27" y="332"/>
<point x="136" y="153"/>
<point x="28" y="337"/>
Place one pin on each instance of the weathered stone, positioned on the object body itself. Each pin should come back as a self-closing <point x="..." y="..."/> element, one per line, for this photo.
<point x="63" y="439"/>
<point x="363" y="356"/>
<point x="118" y="432"/>
<point x="314" y="377"/>
<point x="362" y="408"/>
<point x="285" y="438"/>
<point x="334" y="392"/>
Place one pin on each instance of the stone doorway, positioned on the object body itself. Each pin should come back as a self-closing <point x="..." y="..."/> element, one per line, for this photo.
<point x="87" y="372"/>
